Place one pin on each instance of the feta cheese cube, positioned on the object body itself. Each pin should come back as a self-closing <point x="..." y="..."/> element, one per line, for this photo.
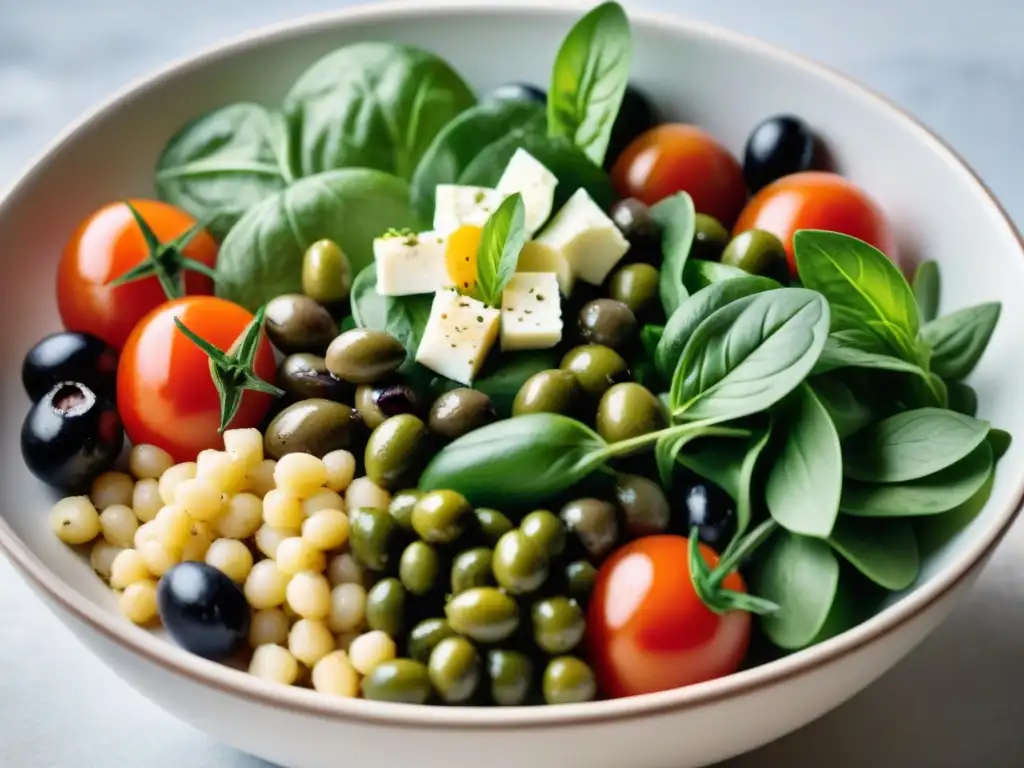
<point x="531" y="312"/>
<point x="586" y="238"/>
<point x="408" y="263"/>
<point x="526" y="175"/>
<point x="459" y="333"/>
<point x="457" y="205"/>
<point x="537" y="257"/>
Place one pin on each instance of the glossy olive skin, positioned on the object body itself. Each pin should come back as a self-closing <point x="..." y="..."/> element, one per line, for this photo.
<point x="326" y="272"/>
<point x="364" y="356"/>
<point x="441" y="517"/>
<point x="419" y="568"/>
<point x="70" y="356"/>
<point x="397" y="398"/>
<point x="553" y="391"/>
<point x="472" y="568"/>
<point x="558" y="624"/>
<point x="709" y="238"/>
<point x="370" y="535"/>
<point x="491" y="524"/>
<point x="709" y="509"/>
<point x="608" y="322"/>
<point x="397" y="451"/>
<point x="366" y="405"/>
<point x="401" y="507"/>
<point x="203" y="610"/>
<point x="305" y="376"/>
<point x="402" y="681"/>
<point x="636" y="115"/>
<point x="568" y="680"/>
<point x="778" y="146"/>
<point x="628" y="410"/>
<point x="511" y="675"/>
<point x="545" y="530"/>
<point x="643" y="504"/>
<point x="425" y="636"/>
<point x="385" y="606"/>
<point x="454" y="669"/>
<point x="459" y="411"/>
<point x="636" y="286"/>
<point x="483" y="614"/>
<point x="593" y="523"/>
<point x="580" y="577"/>
<point x="296" y="323"/>
<point x="757" y="252"/>
<point x="314" y="426"/>
<point x="520" y="564"/>
<point x="596" y="367"/>
<point x="71" y="436"/>
<point x="518" y="92"/>
<point x="638" y="226"/>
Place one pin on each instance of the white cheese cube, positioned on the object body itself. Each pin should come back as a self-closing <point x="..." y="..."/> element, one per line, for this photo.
<point x="408" y="264"/>
<point x="537" y="257"/>
<point x="456" y="206"/>
<point x="586" y="238"/>
<point x="459" y="333"/>
<point x="526" y="175"/>
<point x="531" y="312"/>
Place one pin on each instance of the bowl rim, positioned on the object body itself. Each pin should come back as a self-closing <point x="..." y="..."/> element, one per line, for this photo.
<point x="235" y="682"/>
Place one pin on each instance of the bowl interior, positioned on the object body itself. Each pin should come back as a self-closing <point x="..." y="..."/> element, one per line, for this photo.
<point x="694" y="74"/>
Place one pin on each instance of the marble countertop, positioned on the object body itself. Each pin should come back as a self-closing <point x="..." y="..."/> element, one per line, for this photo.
<point x="954" y="702"/>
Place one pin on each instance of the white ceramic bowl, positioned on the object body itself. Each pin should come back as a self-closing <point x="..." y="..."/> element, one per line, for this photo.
<point x="695" y="73"/>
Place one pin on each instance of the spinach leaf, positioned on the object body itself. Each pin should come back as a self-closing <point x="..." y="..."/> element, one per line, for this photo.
<point x="1000" y="441"/>
<point x="927" y="287"/>
<point x="369" y="309"/>
<point x="883" y="550"/>
<point x="223" y="163"/>
<point x="848" y="413"/>
<point x="936" y="531"/>
<point x="677" y="219"/>
<point x="405" y="318"/>
<point x="911" y="445"/>
<point x="700" y="273"/>
<point x="864" y="289"/>
<point x="519" y="460"/>
<point x="589" y="79"/>
<point x="502" y="239"/>
<point x="372" y="105"/>
<point x="929" y="495"/>
<point x="262" y="255"/>
<point x="806" y="478"/>
<point x="962" y="398"/>
<point x="959" y="339"/>
<point x="750" y="354"/>
<point x="695" y="309"/>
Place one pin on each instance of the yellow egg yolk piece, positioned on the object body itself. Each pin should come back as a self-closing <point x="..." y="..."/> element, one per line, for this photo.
<point x="460" y="257"/>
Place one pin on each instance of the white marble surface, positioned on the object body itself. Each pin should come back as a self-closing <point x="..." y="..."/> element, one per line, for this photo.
<point x="958" y="66"/>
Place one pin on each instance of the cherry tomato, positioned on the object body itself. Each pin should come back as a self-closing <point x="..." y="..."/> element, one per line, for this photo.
<point x="676" y="157"/>
<point x="816" y="200"/>
<point x="105" y="246"/>
<point x="647" y="630"/>
<point x="165" y="394"/>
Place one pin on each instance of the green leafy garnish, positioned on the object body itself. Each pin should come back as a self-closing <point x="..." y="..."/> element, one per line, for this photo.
<point x="927" y="286"/>
<point x="958" y="339"/>
<point x="677" y="219"/>
<point x="503" y="237"/>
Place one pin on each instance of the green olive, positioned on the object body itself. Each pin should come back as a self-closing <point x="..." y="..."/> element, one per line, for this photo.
<point x="440" y="517"/>
<point x="607" y="322"/>
<point x="483" y="614"/>
<point x="366" y="406"/>
<point x="326" y="272"/>
<point x="364" y="356"/>
<point x="709" y="238"/>
<point x="385" y="606"/>
<point x="594" y="523"/>
<point x="454" y="669"/>
<point x="553" y="391"/>
<point x="545" y="530"/>
<point x="636" y="286"/>
<point x="370" y="532"/>
<point x="628" y="410"/>
<point x="401" y="507"/>
<point x="520" y="564"/>
<point x="296" y="323"/>
<point x="492" y="524"/>
<point x="644" y="505"/>
<point x="425" y="636"/>
<point x="313" y="426"/>
<point x="510" y="674"/>
<point x="459" y="411"/>
<point x="402" y="681"/>
<point x="558" y="624"/>
<point x="595" y="367"/>
<point x="303" y="376"/>
<point x="419" y="567"/>
<point x="580" y="576"/>
<point x="397" y="451"/>
<point x="472" y="568"/>
<point x="757" y="252"/>
<point x="568" y="680"/>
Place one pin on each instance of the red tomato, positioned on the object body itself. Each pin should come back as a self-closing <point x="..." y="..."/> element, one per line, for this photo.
<point x="682" y="158"/>
<point x="104" y="247"/>
<point x="816" y="200"/>
<point x="165" y="394"/>
<point x="647" y="630"/>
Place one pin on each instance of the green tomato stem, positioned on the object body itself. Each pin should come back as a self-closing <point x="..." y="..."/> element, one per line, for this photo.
<point x="735" y="555"/>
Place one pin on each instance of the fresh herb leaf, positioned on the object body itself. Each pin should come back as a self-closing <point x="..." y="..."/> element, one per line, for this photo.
<point x="962" y="398"/>
<point x="369" y="310"/>
<point x="502" y="239"/>
<point x="885" y="551"/>
<point x="958" y="340"/>
<point x="1000" y="441"/>
<point x="935" y="531"/>
<point x="848" y="413"/>
<point x="406" y="319"/>
<point x="650" y="337"/>
<point x="677" y="219"/>
<point x="700" y="273"/>
<point x="927" y="287"/>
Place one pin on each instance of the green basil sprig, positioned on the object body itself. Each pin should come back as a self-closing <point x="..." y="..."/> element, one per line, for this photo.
<point x="677" y="218"/>
<point x="957" y="340"/>
<point x="503" y="237"/>
<point x="927" y="286"/>
<point x="885" y="551"/>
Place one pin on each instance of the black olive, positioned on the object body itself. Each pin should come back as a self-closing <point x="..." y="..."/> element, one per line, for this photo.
<point x="518" y="92"/>
<point x="70" y="436"/>
<point x="636" y="115"/>
<point x="634" y="220"/>
<point x="70" y="356"/>
<point x="395" y="399"/>
<point x="203" y="610"/>
<point x="777" y="147"/>
<point x="709" y="509"/>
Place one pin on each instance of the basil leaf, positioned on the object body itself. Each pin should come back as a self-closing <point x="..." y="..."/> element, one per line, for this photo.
<point x="695" y="309"/>
<point x="223" y="163"/>
<point x="959" y="339"/>
<point x="502" y="239"/>
<point x="650" y="337"/>
<point x="368" y="307"/>
<point x="910" y="445"/>
<point x="962" y="398"/>
<point x="677" y="219"/>
<point x="406" y="319"/>
<point x="262" y="255"/>
<point x="848" y="413"/>
<point x="936" y="531"/>
<point x="372" y="105"/>
<point x="929" y="495"/>
<point x="885" y="551"/>
<point x="750" y="354"/>
<point x="864" y="289"/>
<point x="589" y="79"/>
<point x="699" y="273"/>
<point x="804" y="483"/>
<point x="1000" y="441"/>
<point x="927" y="287"/>
<point x="838" y="354"/>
